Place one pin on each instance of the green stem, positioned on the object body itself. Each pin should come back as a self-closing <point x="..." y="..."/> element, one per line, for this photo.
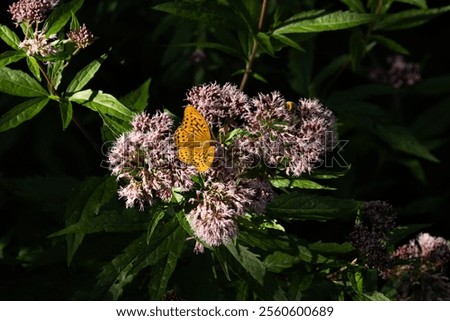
<point x="251" y="59"/>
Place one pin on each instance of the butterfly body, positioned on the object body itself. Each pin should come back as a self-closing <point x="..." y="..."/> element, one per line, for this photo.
<point x="193" y="140"/>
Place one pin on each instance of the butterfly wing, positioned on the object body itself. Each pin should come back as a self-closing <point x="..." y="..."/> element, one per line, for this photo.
<point x="193" y="139"/>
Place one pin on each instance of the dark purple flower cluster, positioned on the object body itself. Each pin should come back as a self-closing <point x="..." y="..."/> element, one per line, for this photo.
<point x="399" y="74"/>
<point x="371" y="240"/>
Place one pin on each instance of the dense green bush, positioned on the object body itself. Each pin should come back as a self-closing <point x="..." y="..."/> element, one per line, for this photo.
<point x="335" y="229"/>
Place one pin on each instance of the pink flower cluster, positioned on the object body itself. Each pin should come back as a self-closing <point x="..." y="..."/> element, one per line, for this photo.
<point x="254" y="134"/>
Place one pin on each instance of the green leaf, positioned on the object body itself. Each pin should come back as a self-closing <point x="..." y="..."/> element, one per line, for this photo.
<point x="303" y="206"/>
<point x="375" y="296"/>
<point x="18" y="83"/>
<point x="287" y="41"/>
<point x="331" y="248"/>
<point x="333" y="68"/>
<point x="358" y="48"/>
<point x="418" y="3"/>
<point x="9" y="37"/>
<point x="137" y="256"/>
<point x="433" y="86"/>
<point x="213" y="45"/>
<point x="9" y="57"/>
<point x="357" y="282"/>
<point x="85" y="75"/>
<point x="156" y="217"/>
<point x="21" y="113"/>
<point x="208" y="12"/>
<point x="55" y="71"/>
<point x="326" y="22"/>
<point x="401" y="232"/>
<point x="248" y="261"/>
<point x="107" y="221"/>
<point x="85" y="204"/>
<point x="159" y="281"/>
<point x="65" y="108"/>
<point x="281" y="182"/>
<point x="278" y="261"/>
<point x="438" y="115"/>
<point x="74" y="23"/>
<point x="60" y="16"/>
<point x="102" y="103"/>
<point x="113" y="127"/>
<point x="265" y="44"/>
<point x="137" y="100"/>
<point x="408" y="18"/>
<point x="390" y="44"/>
<point x="33" y="65"/>
<point x="329" y="173"/>
<point x="355" y="5"/>
<point x="239" y="7"/>
<point x="401" y="139"/>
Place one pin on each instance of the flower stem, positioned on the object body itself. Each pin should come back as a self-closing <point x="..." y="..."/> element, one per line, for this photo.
<point x="251" y="59"/>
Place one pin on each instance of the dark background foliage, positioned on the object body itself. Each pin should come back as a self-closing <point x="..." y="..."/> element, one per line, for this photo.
<point x="40" y="163"/>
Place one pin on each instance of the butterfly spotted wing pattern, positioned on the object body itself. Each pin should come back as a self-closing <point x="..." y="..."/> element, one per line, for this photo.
<point x="193" y="140"/>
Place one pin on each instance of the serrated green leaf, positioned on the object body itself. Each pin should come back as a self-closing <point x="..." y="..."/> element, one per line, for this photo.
<point x="66" y="111"/>
<point x="159" y="281"/>
<point x="60" y="16"/>
<point x="326" y="22"/>
<point x="287" y="41"/>
<point x="85" y="75"/>
<point x="21" y="113"/>
<point x="266" y="239"/>
<point x="156" y="217"/>
<point x="137" y="100"/>
<point x="107" y="221"/>
<point x="86" y="202"/>
<point x="248" y="261"/>
<point x="390" y="44"/>
<point x="33" y="65"/>
<point x="303" y="206"/>
<point x="113" y="127"/>
<point x="9" y="37"/>
<point x="400" y="138"/>
<point x="265" y="44"/>
<point x="279" y="261"/>
<point x="135" y="257"/>
<point x="55" y="71"/>
<point x="281" y="182"/>
<point x="17" y="83"/>
<point x="102" y="103"/>
<point x="9" y="57"/>
<point x="357" y="282"/>
<point x="408" y="18"/>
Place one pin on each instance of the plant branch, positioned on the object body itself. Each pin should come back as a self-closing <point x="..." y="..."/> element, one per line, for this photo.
<point x="251" y="59"/>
